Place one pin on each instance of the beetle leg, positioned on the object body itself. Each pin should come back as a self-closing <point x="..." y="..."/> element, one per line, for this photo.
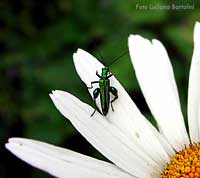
<point x="93" y="113"/>
<point x="95" y="95"/>
<point x="110" y="75"/>
<point x="97" y="74"/>
<point x="113" y="90"/>
<point x="90" y="87"/>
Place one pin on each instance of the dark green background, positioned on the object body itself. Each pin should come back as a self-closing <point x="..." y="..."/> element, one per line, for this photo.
<point x="37" y="41"/>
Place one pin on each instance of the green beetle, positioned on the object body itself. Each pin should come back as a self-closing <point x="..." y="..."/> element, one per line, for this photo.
<point x="104" y="91"/>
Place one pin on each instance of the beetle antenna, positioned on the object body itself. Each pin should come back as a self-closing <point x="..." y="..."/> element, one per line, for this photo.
<point x="116" y="59"/>
<point x="99" y="53"/>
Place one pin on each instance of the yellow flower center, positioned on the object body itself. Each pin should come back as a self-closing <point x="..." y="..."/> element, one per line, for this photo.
<point x="185" y="164"/>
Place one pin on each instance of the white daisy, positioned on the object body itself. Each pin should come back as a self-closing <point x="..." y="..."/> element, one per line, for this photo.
<point x="135" y="148"/>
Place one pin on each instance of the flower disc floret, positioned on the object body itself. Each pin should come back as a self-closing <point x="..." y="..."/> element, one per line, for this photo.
<point x="185" y="164"/>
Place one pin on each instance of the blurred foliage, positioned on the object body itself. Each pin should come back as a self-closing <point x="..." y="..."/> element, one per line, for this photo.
<point x="37" y="41"/>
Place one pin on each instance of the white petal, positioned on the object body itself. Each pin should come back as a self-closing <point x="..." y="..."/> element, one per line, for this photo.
<point x="62" y="162"/>
<point x="155" y="76"/>
<point x="169" y="150"/>
<point x="194" y="89"/>
<point x="105" y="137"/>
<point x="126" y="116"/>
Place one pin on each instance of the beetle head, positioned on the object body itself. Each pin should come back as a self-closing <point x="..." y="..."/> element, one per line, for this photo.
<point x="105" y="72"/>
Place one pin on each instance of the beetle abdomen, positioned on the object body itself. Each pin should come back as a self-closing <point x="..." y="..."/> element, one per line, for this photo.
<point x="104" y="95"/>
